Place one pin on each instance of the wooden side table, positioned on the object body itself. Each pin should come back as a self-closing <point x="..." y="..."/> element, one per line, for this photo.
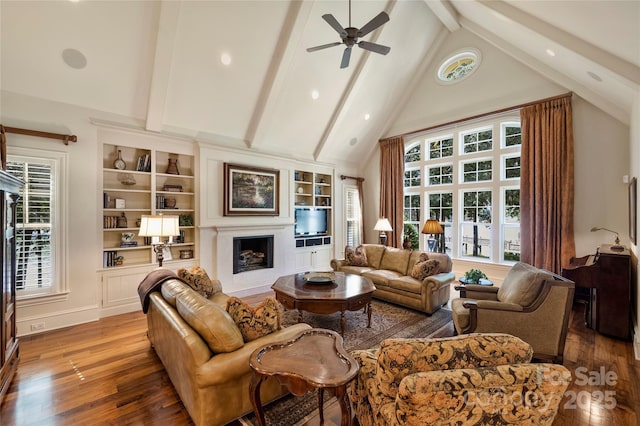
<point x="314" y="359"/>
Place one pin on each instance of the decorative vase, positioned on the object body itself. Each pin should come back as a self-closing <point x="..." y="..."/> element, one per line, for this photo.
<point x="127" y="237"/>
<point x="172" y="169"/>
<point x="122" y="221"/>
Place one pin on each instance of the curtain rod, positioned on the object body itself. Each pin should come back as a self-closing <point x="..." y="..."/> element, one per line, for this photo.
<point x="486" y="114"/>
<point x="359" y="179"/>
<point x="64" y="138"/>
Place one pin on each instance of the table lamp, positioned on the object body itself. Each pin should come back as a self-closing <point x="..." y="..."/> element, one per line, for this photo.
<point x="432" y="227"/>
<point x="617" y="246"/>
<point x="383" y="226"/>
<point x="157" y="227"/>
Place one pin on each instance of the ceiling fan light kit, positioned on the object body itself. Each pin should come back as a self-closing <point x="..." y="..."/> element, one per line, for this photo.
<point x="350" y="36"/>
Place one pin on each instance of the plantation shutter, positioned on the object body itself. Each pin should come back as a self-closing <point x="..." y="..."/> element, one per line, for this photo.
<point x="353" y="217"/>
<point x="33" y="224"/>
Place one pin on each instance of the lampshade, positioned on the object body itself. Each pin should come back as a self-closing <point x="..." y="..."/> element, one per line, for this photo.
<point x="383" y="225"/>
<point x="432" y="226"/>
<point x="159" y="226"/>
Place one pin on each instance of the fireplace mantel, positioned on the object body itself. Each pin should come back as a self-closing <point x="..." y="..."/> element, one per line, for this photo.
<point x="250" y="228"/>
<point x="249" y="282"/>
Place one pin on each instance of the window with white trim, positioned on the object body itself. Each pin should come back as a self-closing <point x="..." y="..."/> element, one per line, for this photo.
<point x="441" y="174"/>
<point x="510" y="250"/>
<point x="477" y="140"/>
<point x="39" y="234"/>
<point x="412" y="178"/>
<point x="412" y="154"/>
<point x="477" y="171"/>
<point x="511" y="167"/>
<point x="475" y="192"/>
<point x="353" y="216"/>
<point x="475" y="232"/>
<point x="412" y="221"/>
<point x="441" y="147"/>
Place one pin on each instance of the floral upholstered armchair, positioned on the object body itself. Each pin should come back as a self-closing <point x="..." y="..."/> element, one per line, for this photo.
<point x="470" y="379"/>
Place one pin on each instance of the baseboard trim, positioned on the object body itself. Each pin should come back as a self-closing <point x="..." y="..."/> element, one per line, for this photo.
<point x="36" y="324"/>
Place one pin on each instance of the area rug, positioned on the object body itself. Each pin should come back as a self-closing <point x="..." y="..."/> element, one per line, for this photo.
<point x="387" y="320"/>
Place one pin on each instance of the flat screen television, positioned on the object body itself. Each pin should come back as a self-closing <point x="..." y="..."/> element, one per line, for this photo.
<point x="310" y="222"/>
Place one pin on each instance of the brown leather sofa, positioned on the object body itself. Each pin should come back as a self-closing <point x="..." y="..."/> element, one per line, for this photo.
<point x="390" y="270"/>
<point x="213" y="384"/>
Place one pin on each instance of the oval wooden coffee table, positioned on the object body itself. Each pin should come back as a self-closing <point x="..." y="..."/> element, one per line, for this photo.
<point x="314" y="359"/>
<point x="347" y="293"/>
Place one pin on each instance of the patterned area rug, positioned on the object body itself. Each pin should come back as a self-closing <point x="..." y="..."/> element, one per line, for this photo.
<point x="387" y="320"/>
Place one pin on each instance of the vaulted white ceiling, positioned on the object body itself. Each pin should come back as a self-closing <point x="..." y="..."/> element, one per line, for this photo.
<point x="158" y="63"/>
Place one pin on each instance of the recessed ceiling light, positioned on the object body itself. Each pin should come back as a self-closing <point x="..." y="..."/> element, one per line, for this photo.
<point x="225" y="58"/>
<point x="353" y="141"/>
<point x="315" y="94"/>
<point x="458" y="66"/>
<point x="551" y="52"/>
<point x="594" y="76"/>
<point x="367" y="116"/>
<point x="74" y="58"/>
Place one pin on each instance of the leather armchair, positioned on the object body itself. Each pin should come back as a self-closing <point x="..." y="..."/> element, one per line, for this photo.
<point x="532" y="304"/>
<point x="470" y="379"/>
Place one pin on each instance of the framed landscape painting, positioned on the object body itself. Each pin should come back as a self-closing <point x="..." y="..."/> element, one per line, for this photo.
<point x="250" y="191"/>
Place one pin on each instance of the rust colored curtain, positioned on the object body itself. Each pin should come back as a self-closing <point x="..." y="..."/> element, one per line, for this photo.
<point x="547" y="184"/>
<point x="392" y="186"/>
<point x="361" y="197"/>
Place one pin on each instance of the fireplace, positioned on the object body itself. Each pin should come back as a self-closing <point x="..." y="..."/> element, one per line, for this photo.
<point x="251" y="253"/>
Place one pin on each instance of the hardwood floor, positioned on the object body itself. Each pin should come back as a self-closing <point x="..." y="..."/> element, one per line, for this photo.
<point x="106" y="373"/>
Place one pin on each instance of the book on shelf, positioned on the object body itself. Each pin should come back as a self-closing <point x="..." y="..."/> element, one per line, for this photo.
<point x="172" y="188"/>
<point x="144" y="163"/>
<point x="110" y="222"/>
<point x="128" y="244"/>
<point x="109" y="258"/>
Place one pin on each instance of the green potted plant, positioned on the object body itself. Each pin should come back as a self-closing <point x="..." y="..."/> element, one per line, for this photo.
<point x="473" y="276"/>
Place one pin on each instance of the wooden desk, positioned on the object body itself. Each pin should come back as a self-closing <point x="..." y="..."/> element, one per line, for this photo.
<point x="606" y="277"/>
<point x="314" y="359"/>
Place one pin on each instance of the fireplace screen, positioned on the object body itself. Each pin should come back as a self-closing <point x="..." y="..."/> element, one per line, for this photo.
<point x="251" y="253"/>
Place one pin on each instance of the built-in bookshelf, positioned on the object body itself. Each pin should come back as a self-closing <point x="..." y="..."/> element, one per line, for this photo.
<point x="143" y="181"/>
<point x="313" y="215"/>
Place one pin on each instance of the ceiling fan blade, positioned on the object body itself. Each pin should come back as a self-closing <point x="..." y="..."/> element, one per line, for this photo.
<point x="334" y="24"/>
<point x="380" y="19"/>
<point x="374" y="47"/>
<point x="324" y="46"/>
<point x="345" y="57"/>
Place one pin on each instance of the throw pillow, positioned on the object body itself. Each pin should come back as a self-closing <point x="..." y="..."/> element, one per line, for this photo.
<point x="198" y="279"/>
<point x="210" y="321"/>
<point x="356" y="257"/>
<point x="425" y="268"/>
<point x="254" y="321"/>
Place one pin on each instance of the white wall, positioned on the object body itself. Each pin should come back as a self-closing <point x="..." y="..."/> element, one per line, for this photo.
<point x="83" y="301"/>
<point x="215" y="227"/>
<point x="81" y="304"/>
<point x="601" y="142"/>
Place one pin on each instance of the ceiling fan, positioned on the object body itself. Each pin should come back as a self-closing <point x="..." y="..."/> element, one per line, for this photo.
<point x="350" y="36"/>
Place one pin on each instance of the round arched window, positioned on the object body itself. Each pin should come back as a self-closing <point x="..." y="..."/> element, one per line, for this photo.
<point x="459" y="66"/>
